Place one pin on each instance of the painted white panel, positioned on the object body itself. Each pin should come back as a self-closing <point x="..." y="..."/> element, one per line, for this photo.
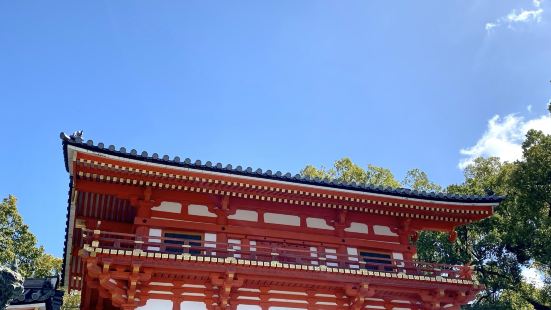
<point x="383" y="230"/>
<point x="161" y="283"/>
<point x="169" y="206"/>
<point x="199" y="210"/>
<point x="314" y="253"/>
<point x="360" y="228"/>
<point x="210" y="241"/>
<point x="282" y="219"/>
<point x="235" y="244"/>
<point x="248" y="307"/>
<point x="156" y="304"/>
<point x="328" y="252"/>
<point x="399" y="256"/>
<point x="252" y="243"/>
<point x="314" y="222"/>
<point x="154" y="232"/>
<point x="244" y="215"/>
<point x="192" y="305"/>
<point x="353" y="252"/>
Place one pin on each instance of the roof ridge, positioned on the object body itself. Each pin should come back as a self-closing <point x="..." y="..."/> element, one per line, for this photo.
<point x="77" y="139"/>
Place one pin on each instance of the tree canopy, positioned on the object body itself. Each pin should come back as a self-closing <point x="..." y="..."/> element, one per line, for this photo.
<point x="517" y="237"/>
<point x="19" y="245"/>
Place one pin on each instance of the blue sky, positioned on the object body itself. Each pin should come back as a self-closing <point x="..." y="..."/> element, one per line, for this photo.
<point x="270" y="84"/>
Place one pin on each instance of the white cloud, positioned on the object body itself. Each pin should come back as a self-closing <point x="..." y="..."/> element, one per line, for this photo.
<point x="523" y="16"/>
<point x="490" y="26"/>
<point x="529" y="108"/>
<point x="503" y="138"/>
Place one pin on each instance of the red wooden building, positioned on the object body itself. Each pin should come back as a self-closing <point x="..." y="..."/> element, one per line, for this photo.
<point x="149" y="232"/>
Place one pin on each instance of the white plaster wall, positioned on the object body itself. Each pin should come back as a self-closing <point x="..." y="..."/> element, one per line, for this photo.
<point x="353" y="252"/>
<point x="328" y="254"/>
<point x="199" y="210"/>
<point x="209" y="237"/>
<point x="360" y="228"/>
<point x="244" y="215"/>
<point x="383" y="231"/>
<point x="314" y="222"/>
<point x="235" y="244"/>
<point x="314" y="254"/>
<point x="398" y="256"/>
<point x="169" y="206"/>
<point x="192" y="305"/>
<point x="156" y="304"/>
<point x="154" y="232"/>
<point x="282" y="219"/>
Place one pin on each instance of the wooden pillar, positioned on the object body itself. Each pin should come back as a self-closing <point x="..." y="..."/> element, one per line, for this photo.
<point x="245" y="248"/>
<point x="85" y="303"/>
<point x="311" y="299"/>
<point x="342" y="256"/>
<point x="209" y="300"/>
<point x="176" y="304"/>
<point x="264" y="298"/>
<point x="99" y="304"/>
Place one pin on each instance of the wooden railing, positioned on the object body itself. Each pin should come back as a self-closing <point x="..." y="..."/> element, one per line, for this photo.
<point x="275" y="251"/>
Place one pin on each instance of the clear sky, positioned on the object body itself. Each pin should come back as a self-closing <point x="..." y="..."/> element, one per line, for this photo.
<point x="269" y="84"/>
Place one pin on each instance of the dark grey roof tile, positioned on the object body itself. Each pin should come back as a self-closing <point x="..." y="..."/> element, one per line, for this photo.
<point x="76" y="139"/>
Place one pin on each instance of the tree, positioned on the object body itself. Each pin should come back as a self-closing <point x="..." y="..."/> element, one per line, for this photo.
<point x="419" y="180"/>
<point x="515" y="237"/>
<point x="71" y="301"/>
<point x="346" y="171"/>
<point x="19" y="246"/>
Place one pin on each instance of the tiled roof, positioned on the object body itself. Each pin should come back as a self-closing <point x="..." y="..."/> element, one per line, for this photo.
<point x="41" y="291"/>
<point x="76" y="140"/>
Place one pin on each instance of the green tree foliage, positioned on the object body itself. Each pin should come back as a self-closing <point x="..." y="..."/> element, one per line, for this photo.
<point x="419" y="180"/>
<point x="344" y="170"/>
<point x="19" y="246"/>
<point x="71" y="301"/>
<point x="517" y="236"/>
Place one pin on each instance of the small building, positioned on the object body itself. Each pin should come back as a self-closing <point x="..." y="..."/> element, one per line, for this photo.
<point x="39" y="294"/>
<point x="151" y="232"/>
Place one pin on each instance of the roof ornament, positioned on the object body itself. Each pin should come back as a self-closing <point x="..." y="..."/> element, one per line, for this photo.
<point x="11" y="286"/>
<point x="77" y="136"/>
